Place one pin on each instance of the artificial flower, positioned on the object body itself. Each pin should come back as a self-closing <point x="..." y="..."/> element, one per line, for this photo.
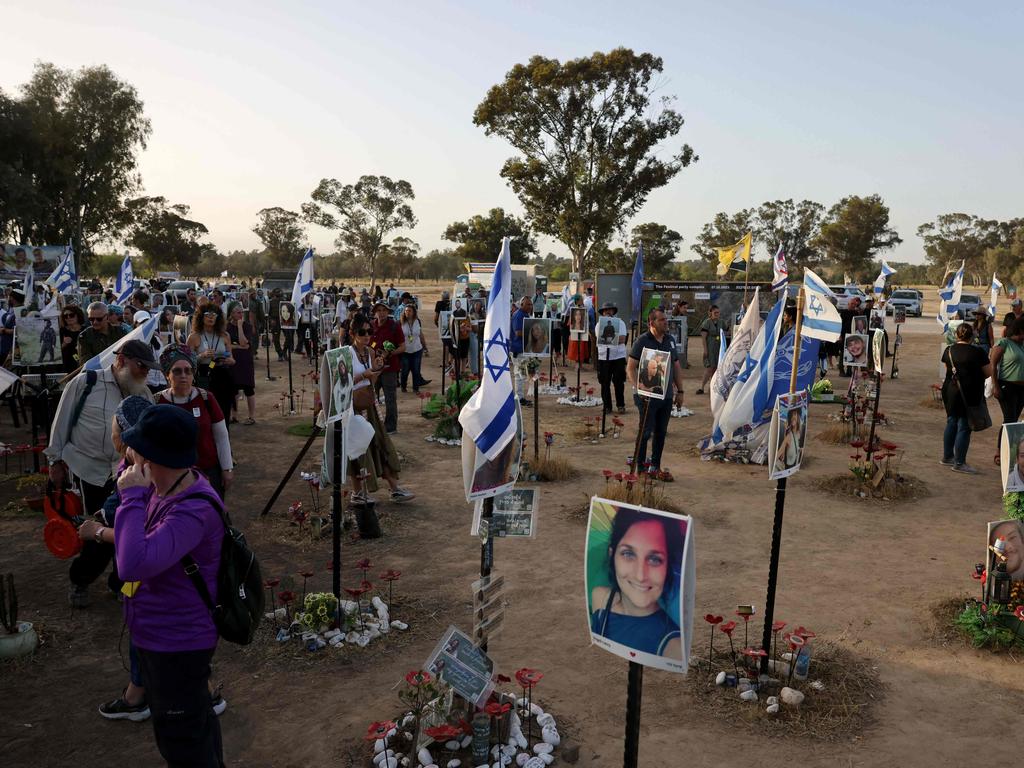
<point x="527" y="677"/>
<point x="711" y="619"/>
<point x="728" y="627"/>
<point x="417" y="677"/>
<point x="444" y="732"/>
<point x="379" y="730"/>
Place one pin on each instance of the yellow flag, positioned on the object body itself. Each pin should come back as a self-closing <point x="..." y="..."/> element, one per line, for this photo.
<point x="735" y="256"/>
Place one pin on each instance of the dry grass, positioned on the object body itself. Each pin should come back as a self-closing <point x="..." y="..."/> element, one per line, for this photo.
<point x="845" y="708"/>
<point x="931" y="402"/>
<point x="900" y="488"/>
<point x="835" y="434"/>
<point x="552" y="469"/>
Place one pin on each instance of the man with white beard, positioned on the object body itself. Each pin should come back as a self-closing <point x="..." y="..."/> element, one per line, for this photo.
<point x="80" y="446"/>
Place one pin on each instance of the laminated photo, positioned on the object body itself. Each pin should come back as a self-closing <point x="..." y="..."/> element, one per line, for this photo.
<point x="1011" y="457"/>
<point x="787" y="435"/>
<point x="855" y="350"/>
<point x="652" y="373"/>
<point x="461" y="664"/>
<point x="35" y="339"/>
<point x="1011" y="532"/>
<point x="578" y="330"/>
<point x="640" y="576"/>
<point x="536" y="337"/>
<point x="515" y="514"/>
<point x="289" y="321"/>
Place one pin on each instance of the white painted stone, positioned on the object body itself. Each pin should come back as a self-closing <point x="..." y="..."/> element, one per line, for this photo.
<point x="466" y="741"/>
<point x="791" y="696"/>
<point x="749" y="695"/>
<point x="379" y="746"/>
<point x="548" y="759"/>
<point x="550" y="736"/>
<point x="546" y="720"/>
<point x="535" y="762"/>
<point x="772" y="700"/>
<point x="424" y="756"/>
<point x="773" y="709"/>
<point x="521" y="759"/>
<point x="454" y="763"/>
<point x="399" y="625"/>
<point x="543" y="748"/>
<point x="720" y="679"/>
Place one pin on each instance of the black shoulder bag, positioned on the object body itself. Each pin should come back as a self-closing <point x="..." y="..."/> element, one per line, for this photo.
<point x="977" y="415"/>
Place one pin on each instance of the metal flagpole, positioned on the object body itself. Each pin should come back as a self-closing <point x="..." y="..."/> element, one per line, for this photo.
<point x="780" y="505"/>
<point x="336" y="511"/>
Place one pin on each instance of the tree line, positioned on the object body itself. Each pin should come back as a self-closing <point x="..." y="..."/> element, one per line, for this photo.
<point x="591" y="139"/>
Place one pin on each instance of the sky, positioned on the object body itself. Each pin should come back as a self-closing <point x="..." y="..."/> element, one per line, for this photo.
<point x="253" y="103"/>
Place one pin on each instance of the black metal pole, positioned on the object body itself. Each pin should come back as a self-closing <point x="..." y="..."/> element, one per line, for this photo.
<point x="444" y="365"/>
<point x="337" y="481"/>
<point x="608" y="376"/>
<point x="579" y="369"/>
<point x="291" y="470"/>
<point x="266" y="349"/>
<point x="634" y="693"/>
<point x="773" y="570"/>
<point x="289" y="335"/>
<point x="895" y="352"/>
<point x="536" y="419"/>
<point x="487" y="547"/>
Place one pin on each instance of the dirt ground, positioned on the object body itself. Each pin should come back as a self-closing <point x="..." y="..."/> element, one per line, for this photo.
<point x="862" y="575"/>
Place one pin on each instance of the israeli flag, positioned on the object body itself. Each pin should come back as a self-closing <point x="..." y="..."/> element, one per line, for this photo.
<point x="996" y="287"/>
<point x="143" y="333"/>
<point x="125" y="285"/>
<point x="65" y="277"/>
<point x="28" y="285"/>
<point x="821" y="318"/>
<point x="734" y="360"/>
<point x="637" y="283"/>
<point x="880" y="280"/>
<point x="489" y="418"/>
<point x="780" y="273"/>
<point x="750" y="396"/>
<point x="814" y="283"/>
<point x="303" y="278"/>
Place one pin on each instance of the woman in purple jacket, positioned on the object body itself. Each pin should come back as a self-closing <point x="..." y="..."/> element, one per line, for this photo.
<point x="168" y="511"/>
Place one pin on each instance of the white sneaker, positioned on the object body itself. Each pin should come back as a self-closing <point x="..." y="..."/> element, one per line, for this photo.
<point x="400" y="495"/>
<point x="967" y="469"/>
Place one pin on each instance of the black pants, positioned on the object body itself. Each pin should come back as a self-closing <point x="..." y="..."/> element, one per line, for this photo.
<point x="655" y="428"/>
<point x="1011" y="403"/>
<point x="94" y="558"/>
<point x="612" y="372"/>
<point x="275" y="335"/>
<point x="222" y="387"/>
<point x="177" y="691"/>
<point x="307" y="337"/>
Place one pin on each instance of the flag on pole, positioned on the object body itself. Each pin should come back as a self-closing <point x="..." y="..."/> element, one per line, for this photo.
<point x="821" y="318"/>
<point x="733" y="360"/>
<point x="637" y="283"/>
<point x="28" y="285"/>
<point x="65" y="277"/>
<point x="735" y="257"/>
<point x="846" y="279"/>
<point x="880" y="280"/>
<point x="780" y="273"/>
<point x="566" y="298"/>
<point x="303" y="278"/>
<point x="489" y="418"/>
<point x="996" y="287"/>
<point x="143" y="333"/>
<point x="125" y="285"/>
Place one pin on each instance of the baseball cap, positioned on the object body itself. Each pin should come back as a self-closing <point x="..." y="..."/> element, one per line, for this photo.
<point x="140" y="352"/>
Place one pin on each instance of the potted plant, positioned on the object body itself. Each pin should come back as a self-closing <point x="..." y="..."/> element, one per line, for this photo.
<point x="18" y="637"/>
<point x="34" y="488"/>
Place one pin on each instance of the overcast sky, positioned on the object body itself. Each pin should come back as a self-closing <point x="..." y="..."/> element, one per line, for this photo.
<point x="253" y="103"/>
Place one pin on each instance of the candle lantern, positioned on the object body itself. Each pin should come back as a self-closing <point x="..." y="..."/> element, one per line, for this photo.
<point x="1001" y="584"/>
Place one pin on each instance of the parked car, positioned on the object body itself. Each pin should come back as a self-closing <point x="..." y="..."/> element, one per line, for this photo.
<point x="846" y="292"/>
<point x="907" y="299"/>
<point x="175" y="292"/>
<point x="969" y="304"/>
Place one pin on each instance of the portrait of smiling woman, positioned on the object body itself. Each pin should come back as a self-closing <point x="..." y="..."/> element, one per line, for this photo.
<point x="635" y="566"/>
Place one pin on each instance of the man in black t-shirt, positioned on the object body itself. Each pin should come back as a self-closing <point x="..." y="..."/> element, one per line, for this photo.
<point x="655" y="413"/>
<point x="444" y="305"/>
<point x="1016" y="313"/>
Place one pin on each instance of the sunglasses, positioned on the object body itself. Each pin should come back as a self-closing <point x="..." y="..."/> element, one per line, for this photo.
<point x="209" y="314"/>
<point x="97" y="319"/>
<point x="181" y="371"/>
<point x="68" y="315"/>
<point x="362" y="332"/>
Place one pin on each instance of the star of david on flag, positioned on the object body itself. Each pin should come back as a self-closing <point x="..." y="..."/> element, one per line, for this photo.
<point x="489" y="418"/>
<point x="821" y="319"/>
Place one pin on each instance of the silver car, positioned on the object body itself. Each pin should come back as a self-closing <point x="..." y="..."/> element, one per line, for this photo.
<point x="969" y="304"/>
<point x="910" y="301"/>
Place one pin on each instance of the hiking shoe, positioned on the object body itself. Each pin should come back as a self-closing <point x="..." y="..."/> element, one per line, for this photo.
<point x="524" y="402"/>
<point x="967" y="469"/>
<point x="401" y="494"/>
<point x="218" y="702"/>
<point x="360" y="498"/>
<point x="119" y="709"/>
<point x="946" y="462"/>
<point x="78" y="596"/>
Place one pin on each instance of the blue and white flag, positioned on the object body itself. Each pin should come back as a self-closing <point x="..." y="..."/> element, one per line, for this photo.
<point x="28" y="285"/>
<point x="65" y="277"/>
<point x="814" y="283"/>
<point x="637" y="283"/>
<point x="821" y="318"/>
<point x="142" y="333"/>
<point x="880" y="280"/>
<point x="780" y="274"/>
<point x="566" y="298"/>
<point x="996" y="287"/>
<point x="303" y="279"/>
<point x="949" y="297"/>
<point x="750" y="396"/>
<point x="734" y="359"/>
<point x="489" y="418"/>
<point x="125" y="285"/>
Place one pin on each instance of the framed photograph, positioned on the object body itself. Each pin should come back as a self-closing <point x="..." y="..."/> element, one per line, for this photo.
<point x="460" y="305"/>
<point x="1012" y="534"/>
<point x="855" y="350"/>
<point x="444" y="324"/>
<point x="325" y="326"/>
<point x="35" y="339"/>
<point x="553" y="306"/>
<point x="1011" y="457"/>
<point x="899" y="315"/>
<point x="787" y="435"/>
<point x="608" y="330"/>
<point x="515" y="514"/>
<point x="640" y="577"/>
<point x="859" y="324"/>
<point x="578" y="330"/>
<point x="461" y="664"/>
<point x="536" y="337"/>
<point x="877" y="318"/>
<point x="289" y="320"/>
<point x="653" y="372"/>
<point x="678" y="328"/>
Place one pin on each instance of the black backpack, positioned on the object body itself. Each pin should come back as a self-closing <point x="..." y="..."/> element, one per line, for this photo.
<point x="240" y="598"/>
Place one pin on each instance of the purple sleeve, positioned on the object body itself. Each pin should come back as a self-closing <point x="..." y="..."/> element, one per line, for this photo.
<point x="143" y="554"/>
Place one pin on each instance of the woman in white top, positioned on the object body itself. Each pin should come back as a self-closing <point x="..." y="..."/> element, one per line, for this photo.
<point x="381" y="458"/>
<point x="415" y="348"/>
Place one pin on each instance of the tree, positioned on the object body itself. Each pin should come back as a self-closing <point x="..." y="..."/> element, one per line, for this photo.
<point x="164" y="234"/>
<point x="68" y="156"/>
<point x="794" y="226"/>
<point x="855" y="229"/>
<point x="480" y="237"/>
<point x="440" y="264"/>
<point x="1007" y="258"/>
<point x="587" y="140"/>
<point x="282" y="235"/>
<point x="398" y="258"/>
<point x="722" y="231"/>
<point x="661" y="246"/>
<point x="956" y="237"/>
<point x="365" y="213"/>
